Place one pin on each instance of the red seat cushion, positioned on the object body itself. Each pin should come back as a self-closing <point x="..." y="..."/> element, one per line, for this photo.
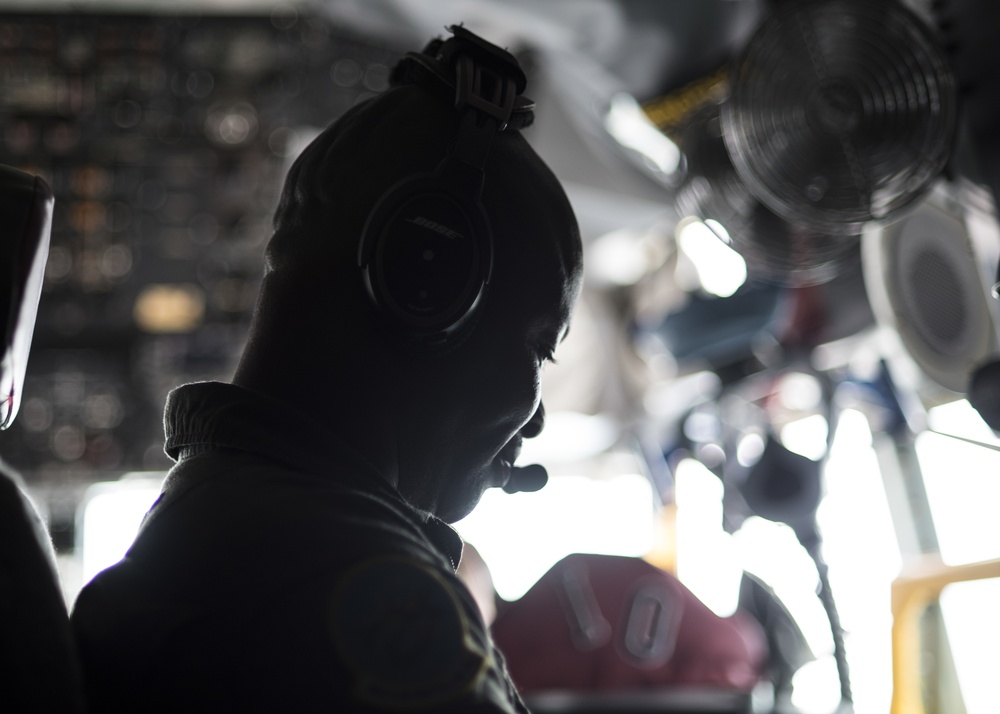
<point x="599" y="622"/>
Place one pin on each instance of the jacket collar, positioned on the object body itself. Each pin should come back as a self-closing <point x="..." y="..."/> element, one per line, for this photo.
<point x="210" y="416"/>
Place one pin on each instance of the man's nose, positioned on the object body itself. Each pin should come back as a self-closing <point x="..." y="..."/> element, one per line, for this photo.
<point x="535" y="424"/>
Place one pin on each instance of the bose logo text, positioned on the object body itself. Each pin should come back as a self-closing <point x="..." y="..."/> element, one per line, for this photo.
<point x="436" y="227"/>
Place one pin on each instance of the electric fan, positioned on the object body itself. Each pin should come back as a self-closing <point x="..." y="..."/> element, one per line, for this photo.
<point x="776" y="250"/>
<point x="841" y="112"/>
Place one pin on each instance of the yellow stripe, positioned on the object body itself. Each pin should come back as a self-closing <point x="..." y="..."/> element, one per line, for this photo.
<point x="669" y="111"/>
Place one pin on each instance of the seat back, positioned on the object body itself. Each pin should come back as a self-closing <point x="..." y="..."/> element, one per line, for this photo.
<point x="26" y="204"/>
<point x="38" y="666"/>
<point x="602" y="634"/>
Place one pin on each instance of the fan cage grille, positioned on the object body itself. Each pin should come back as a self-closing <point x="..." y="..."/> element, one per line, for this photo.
<point x="841" y="112"/>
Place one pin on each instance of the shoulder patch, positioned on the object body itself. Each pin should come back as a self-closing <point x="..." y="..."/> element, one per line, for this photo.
<point x="400" y="628"/>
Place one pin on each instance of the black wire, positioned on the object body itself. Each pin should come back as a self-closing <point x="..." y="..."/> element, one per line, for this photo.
<point x="813" y="542"/>
<point x="813" y="547"/>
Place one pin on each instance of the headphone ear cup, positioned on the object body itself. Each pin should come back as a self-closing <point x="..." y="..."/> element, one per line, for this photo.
<point x="426" y="258"/>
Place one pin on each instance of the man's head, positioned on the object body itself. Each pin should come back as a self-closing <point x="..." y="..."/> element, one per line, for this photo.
<point x="443" y="424"/>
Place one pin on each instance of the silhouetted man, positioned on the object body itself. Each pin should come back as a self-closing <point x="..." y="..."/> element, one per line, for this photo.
<point x="423" y="267"/>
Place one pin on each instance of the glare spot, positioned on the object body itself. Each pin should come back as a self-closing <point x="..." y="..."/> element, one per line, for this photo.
<point x="750" y="449"/>
<point x="169" y="308"/>
<point x="806" y="437"/>
<point x="234" y="129"/>
<point x="800" y="391"/>
<point x="572" y="514"/>
<point x="721" y="270"/>
<point x="706" y="558"/>
<point x="630" y="126"/>
<point x="110" y="516"/>
<point x="619" y="257"/>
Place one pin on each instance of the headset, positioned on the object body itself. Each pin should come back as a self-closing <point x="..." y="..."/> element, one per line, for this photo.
<point x="426" y="251"/>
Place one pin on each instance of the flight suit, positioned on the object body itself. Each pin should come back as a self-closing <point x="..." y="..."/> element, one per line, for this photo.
<point x="278" y="571"/>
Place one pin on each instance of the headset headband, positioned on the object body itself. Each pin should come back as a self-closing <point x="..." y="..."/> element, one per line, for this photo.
<point x="470" y="72"/>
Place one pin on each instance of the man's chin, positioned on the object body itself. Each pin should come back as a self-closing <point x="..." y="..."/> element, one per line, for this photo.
<point x="453" y="513"/>
<point x="461" y="502"/>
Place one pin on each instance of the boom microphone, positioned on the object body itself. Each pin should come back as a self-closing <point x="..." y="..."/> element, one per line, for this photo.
<point x="526" y="478"/>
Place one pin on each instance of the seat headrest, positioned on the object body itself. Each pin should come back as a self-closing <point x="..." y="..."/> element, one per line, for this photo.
<point x="26" y="204"/>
